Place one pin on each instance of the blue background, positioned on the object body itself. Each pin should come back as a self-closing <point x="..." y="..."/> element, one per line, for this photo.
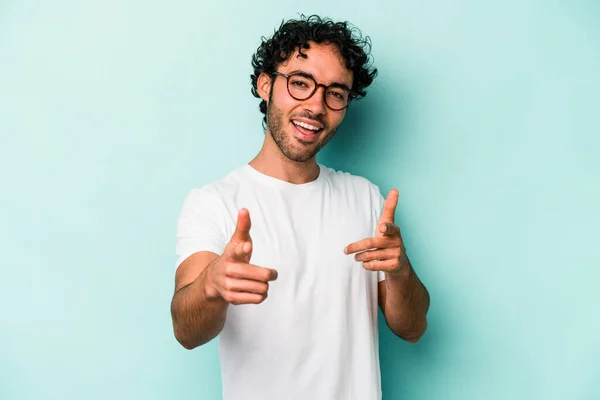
<point x="484" y="116"/>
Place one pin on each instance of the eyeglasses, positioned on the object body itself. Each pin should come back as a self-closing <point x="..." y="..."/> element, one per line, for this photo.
<point x="302" y="86"/>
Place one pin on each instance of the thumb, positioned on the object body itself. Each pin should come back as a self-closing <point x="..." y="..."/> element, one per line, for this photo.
<point x="240" y="245"/>
<point x="242" y="228"/>
<point x="240" y="251"/>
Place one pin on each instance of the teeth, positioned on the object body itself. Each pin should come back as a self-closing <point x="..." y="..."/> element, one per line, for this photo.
<point x="306" y="126"/>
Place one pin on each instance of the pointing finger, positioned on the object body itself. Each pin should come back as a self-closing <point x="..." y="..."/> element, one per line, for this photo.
<point x="251" y="271"/>
<point x="273" y="275"/>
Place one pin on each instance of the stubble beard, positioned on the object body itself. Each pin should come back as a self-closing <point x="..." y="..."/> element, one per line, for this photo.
<point x="275" y="125"/>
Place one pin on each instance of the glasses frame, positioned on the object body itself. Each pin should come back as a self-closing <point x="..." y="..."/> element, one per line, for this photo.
<point x="317" y="85"/>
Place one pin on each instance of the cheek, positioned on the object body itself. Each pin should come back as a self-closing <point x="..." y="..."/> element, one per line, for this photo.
<point x="283" y="100"/>
<point x="336" y="119"/>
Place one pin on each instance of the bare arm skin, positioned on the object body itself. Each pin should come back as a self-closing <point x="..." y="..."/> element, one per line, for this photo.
<point x="206" y="283"/>
<point x="196" y="318"/>
<point x="402" y="297"/>
<point x="404" y="302"/>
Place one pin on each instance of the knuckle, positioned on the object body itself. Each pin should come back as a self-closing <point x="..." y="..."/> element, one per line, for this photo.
<point x="229" y="297"/>
<point x="237" y="300"/>
<point x="234" y="270"/>
<point x="228" y="284"/>
<point x="228" y="268"/>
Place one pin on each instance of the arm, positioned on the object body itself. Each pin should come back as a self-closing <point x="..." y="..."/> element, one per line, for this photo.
<point x="402" y="297"/>
<point x="197" y="318"/>
<point x="207" y="283"/>
<point x="404" y="301"/>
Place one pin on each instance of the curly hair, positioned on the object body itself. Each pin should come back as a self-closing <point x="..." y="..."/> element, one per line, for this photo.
<point x="296" y="34"/>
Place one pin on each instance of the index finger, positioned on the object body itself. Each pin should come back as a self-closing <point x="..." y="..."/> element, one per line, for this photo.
<point x="252" y="272"/>
<point x="365" y="244"/>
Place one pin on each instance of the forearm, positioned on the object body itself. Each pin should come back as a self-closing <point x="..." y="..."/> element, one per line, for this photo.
<point x="406" y="304"/>
<point x="197" y="319"/>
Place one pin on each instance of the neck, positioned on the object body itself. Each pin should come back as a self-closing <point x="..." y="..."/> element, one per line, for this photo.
<point x="271" y="161"/>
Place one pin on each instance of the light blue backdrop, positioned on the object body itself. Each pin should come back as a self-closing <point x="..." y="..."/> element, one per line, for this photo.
<point x="484" y="116"/>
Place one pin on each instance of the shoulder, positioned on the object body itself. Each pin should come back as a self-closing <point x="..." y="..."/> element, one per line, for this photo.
<point x="345" y="179"/>
<point x="214" y="192"/>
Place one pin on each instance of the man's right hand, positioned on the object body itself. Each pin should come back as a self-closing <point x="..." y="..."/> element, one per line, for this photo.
<point x="231" y="277"/>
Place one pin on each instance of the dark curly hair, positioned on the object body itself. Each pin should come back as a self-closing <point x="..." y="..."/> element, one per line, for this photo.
<point x="295" y="34"/>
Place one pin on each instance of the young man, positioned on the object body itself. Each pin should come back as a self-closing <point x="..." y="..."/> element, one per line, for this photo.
<point x="321" y="244"/>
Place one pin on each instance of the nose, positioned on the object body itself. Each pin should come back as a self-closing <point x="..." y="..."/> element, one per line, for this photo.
<point x="316" y="103"/>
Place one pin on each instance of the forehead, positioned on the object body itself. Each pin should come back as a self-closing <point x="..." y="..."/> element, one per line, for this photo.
<point x="322" y="61"/>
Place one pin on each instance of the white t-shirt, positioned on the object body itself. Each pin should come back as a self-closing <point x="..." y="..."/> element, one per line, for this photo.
<point x="315" y="337"/>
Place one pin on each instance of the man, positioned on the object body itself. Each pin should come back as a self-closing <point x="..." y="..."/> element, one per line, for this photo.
<point x="321" y="244"/>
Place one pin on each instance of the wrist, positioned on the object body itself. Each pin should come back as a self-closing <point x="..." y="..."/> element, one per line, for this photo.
<point x="208" y="287"/>
<point x="402" y="272"/>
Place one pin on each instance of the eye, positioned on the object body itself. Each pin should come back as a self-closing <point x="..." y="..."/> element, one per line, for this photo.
<point x="299" y="84"/>
<point x="337" y="95"/>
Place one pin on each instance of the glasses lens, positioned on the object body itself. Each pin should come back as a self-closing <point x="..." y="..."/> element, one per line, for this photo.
<point x="337" y="98"/>
<point x="301" y="87"/>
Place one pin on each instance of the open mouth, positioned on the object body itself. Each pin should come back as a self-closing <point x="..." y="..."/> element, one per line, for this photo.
<point x="309" y="132"/>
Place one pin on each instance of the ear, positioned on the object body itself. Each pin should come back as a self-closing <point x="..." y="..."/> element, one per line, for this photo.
<point x="263" y="84"/>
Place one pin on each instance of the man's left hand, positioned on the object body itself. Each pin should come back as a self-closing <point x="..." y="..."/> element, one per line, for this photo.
<point x="384" y="252"/>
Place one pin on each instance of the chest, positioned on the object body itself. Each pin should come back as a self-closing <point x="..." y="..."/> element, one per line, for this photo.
<point x="303" y="238"/>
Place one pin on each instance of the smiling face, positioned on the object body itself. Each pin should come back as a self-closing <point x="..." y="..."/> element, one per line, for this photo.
<point x="300" y="128"/>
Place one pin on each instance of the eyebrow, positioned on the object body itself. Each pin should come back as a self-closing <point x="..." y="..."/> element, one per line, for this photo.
<point x="307" y="75"/>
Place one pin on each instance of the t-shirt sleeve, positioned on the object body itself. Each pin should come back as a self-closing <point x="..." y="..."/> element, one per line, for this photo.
<point x="377" y="212"/>
<point x="201" y="225"/>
